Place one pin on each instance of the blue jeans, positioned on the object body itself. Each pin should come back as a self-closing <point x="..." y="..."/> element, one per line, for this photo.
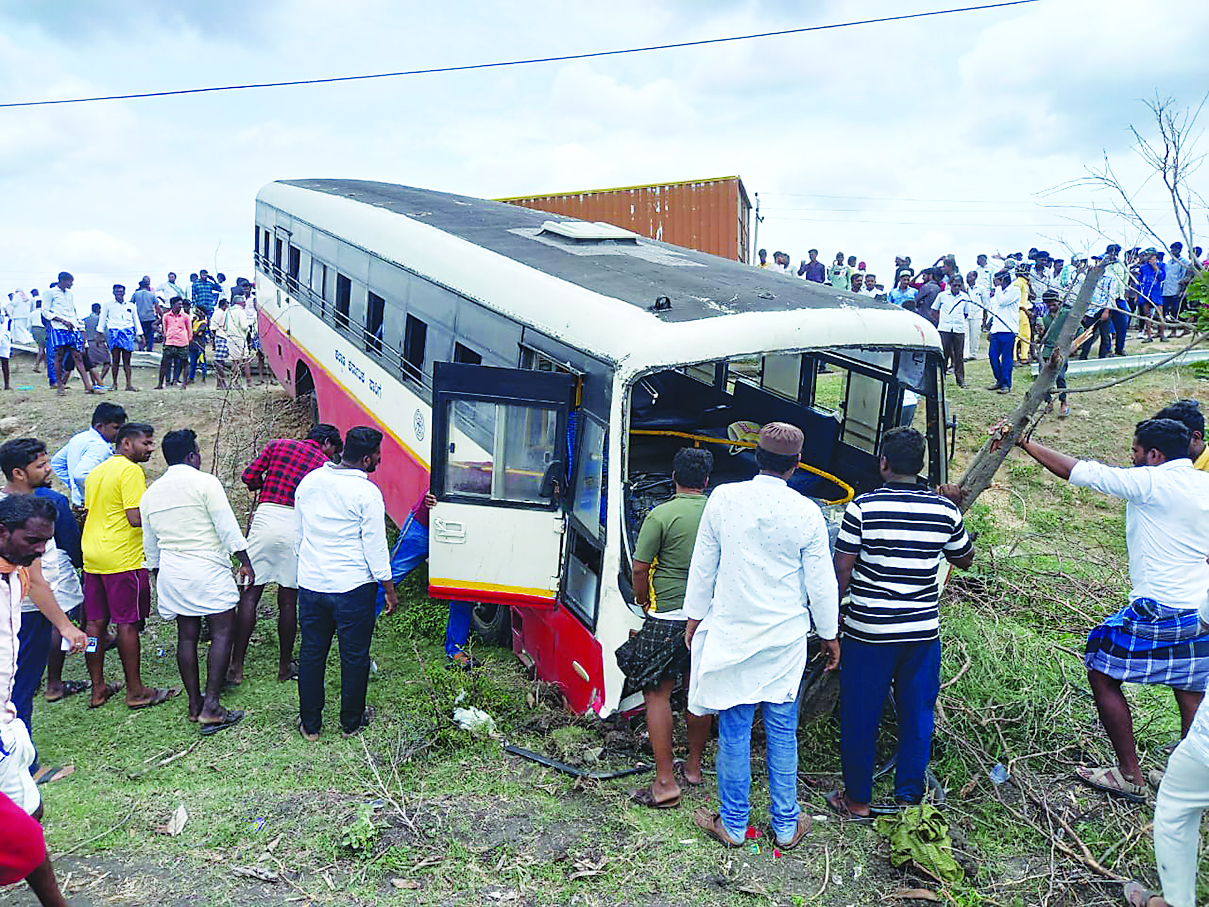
<point x="33" y="649"/>
<point x="1000" y="351"/>
<point x="867" y="672"/>
<point x="195" y="354"/>
<point x="350" y="617"/>
<point x="1120" y="325"/>
<point x="733" y="763"/>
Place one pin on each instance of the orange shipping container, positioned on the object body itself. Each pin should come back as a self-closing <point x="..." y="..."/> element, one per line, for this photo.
<point x="710" y="215"/>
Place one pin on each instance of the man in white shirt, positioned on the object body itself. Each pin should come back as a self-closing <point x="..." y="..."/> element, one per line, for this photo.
<point x="27" y="524"/>
<point x="1158" y="638"/>
<point x="954" y="306"/>
<point x="189" y="536"/>
<point x="66" y="334"/>
<point x="342" y="560"/>
<point x="1004" y="316"/>
<point x="761" y="573"/>
<point x="169" y="290"/>
<point x="980" y="297"/>
<point x="120" y="329"/>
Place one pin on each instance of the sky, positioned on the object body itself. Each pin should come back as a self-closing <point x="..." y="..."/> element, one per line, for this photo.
<point x="940" y="135"/>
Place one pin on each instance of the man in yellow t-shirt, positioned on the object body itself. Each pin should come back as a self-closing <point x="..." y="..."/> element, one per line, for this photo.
<point x="117" y="587"/>
<point x="1189" y="413"/>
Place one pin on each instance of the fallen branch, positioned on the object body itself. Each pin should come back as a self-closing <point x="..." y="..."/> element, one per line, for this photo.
<point x="107" y="831"/>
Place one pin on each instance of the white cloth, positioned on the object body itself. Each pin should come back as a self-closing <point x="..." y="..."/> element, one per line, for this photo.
<point x="21" y="312"/>
<point x="10" y="625"/>
<point x="194" y="584"/>
<point x="341" y="530"/>
<point x="119" y="316"/>
<point x="186" y="511"/>
<point x="167" y="290"/>
<point x="1004" y="309"/>
<point x="1183" y="796"/>
<point x="6" y="336"/>
<point x="761" y="571"/>
<point x="953" y="311"/>
<point x="60" y="572"/>
<point x="232" y="325"/>
<point x="61" y="304"/>
<point x="16" y="756"/>
<point x="273" y="545"/>
<point x="77" y="458"/>
<point x="1166" y="526"/>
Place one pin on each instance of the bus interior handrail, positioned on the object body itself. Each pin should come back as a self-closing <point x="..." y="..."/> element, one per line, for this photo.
<point x="849" y="491"/>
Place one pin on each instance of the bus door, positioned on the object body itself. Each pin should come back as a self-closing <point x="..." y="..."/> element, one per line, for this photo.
<point x="499" y="467"/>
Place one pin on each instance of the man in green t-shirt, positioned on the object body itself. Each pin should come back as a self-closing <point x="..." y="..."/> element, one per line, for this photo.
<point x="656" y="658"/>
<point x="1052" y="322"/>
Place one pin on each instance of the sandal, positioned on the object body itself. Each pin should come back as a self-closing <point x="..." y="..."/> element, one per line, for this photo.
<point x="711" y="824"/>
<point x="1111" y="781"/>
<point x="1137" y="896"/>
<point x="802" y="830"/>
<point x="230" y="718"/>
<point x="644" y="797"/>
<point x="678" y="768"/>
<point x="70" y="688"/>
<point x="108" y="693"/>
<point x="47" y="774"/>
<point x="307" y="735"/>
<point x="838" y="804"/>
<point x="159" y="696"/>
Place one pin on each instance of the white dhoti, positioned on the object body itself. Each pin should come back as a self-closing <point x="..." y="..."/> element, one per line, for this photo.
<point x="16" y="756"/>
<point x="273" y="545"/>
<point x="194" y="584"/>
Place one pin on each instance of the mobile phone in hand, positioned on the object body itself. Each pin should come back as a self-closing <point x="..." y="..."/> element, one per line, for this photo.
<point x="92" y="644"/>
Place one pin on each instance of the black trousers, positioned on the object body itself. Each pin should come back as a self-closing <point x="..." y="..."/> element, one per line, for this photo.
<point x="1103" y="328"/>
<point x="350" y="617"/>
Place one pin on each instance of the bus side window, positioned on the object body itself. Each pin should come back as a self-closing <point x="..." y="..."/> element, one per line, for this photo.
<point x="344" y="296"/>
<point x="374" y="315"/>
<point x="415" y="337"/>
<point x="466" y="354"/>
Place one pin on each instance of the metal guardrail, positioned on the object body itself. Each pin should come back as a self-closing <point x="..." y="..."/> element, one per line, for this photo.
<point x="1127" y="363"/>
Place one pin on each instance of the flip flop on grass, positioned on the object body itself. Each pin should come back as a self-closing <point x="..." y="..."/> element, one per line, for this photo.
<point x="159" y="696"/>
<point x="1111" y="781"/>
<point x="839" y="805"/>
<point x="47" y="773"/>
<point x="711" y="824"/>
<point x="111" y="689"/>
<point x="70" y="688"/>
<point x="644" y="797"/>
<point x="230" y="718"/>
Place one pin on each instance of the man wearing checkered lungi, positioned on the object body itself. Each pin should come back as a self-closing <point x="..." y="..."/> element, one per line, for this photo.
<point x="1158" y="638"/>
<point x="656" y="658"/>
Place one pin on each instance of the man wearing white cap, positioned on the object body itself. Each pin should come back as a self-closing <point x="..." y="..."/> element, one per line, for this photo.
<point x="760" y="577"/>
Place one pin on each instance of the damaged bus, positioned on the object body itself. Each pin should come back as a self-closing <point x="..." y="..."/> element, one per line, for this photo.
<point x="539" y="373"/>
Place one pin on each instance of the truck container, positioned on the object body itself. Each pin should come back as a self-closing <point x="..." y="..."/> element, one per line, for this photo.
<point x="709" y="215"/>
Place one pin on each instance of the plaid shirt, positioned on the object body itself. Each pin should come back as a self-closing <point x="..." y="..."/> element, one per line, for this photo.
<point x="280" y="467"/>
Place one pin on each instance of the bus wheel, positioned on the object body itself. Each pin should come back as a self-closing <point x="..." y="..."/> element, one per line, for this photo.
<point x="492" y="623"/>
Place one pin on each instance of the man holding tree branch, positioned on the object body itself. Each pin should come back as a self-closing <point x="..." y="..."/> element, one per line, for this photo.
<point x="1158" y="638"/>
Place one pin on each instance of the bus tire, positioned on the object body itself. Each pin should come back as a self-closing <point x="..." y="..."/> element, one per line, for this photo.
<point x="312" y="407"/>
<point x="492" y="623"/>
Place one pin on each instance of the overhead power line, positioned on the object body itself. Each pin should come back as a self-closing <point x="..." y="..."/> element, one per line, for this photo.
<point x="524" y="62"/>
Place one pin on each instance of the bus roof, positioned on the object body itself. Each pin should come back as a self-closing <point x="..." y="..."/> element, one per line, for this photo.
<point x="708" y="298"/>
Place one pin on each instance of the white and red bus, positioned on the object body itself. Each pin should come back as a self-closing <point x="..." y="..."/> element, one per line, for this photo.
<point x="541" y="372"/>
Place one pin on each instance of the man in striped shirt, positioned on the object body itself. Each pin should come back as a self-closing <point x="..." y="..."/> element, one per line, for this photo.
<point x="887" y="557"/>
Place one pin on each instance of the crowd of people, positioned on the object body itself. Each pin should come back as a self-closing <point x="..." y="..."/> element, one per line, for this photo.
<point x="199" y="324"/>
<point x="79" y="570"/>
<point x="1021" y="303"/>
<point x="733" y="586"/>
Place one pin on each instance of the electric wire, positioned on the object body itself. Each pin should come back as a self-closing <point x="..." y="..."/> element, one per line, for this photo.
<point x="522" y="62"/>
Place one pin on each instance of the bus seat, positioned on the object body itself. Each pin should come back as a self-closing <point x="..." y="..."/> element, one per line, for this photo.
<point x="821" y="430"/>
<point x="680" y="403"/>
